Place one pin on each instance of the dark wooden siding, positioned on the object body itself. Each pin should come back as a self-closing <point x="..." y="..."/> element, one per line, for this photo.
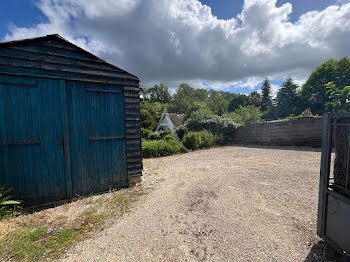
<point x="55" y="60"/>
<point x="133" y="131"/>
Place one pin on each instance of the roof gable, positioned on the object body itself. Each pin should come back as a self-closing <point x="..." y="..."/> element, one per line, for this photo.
<point x="54" y="49"/>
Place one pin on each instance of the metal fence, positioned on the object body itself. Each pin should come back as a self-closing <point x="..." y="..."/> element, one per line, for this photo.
<point x="334" y="195"/>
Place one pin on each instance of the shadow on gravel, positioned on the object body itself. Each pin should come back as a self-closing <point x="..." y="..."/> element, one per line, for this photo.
<point x="293" y="148"/>
<point x="322" y="252"/>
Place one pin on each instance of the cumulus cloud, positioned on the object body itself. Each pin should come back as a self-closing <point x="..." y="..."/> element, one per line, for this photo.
<point x="172" y="41"/>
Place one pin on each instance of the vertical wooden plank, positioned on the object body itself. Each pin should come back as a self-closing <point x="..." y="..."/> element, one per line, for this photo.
<point x="73" y="140"/>
<point x="94" y="146"/>
<point x="4" y="168"/>
<point x="124" y="166"/>
<point x="104" y="143"/>
<point x="36" y="156"/>
<point x="80" y="138"/>
<point x="28" y="136"/>
<point x="65" y="134"/>
<point x="114" y="150"/>
<point x="85" y="142"/>
<point x="10" y="181"/>
<point x="15" y="158"/>
<point x="47" y="145"/>
<point x="58" y="143"/>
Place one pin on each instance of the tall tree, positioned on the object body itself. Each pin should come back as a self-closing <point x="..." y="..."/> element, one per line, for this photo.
<point x="314" y="93"/>
<point x="286" y="98"/>
<point x="255" y="98"/>
<point x="159" y="93"/>
<point x="266" y="95"/>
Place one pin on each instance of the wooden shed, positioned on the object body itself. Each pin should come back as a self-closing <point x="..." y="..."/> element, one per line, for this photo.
<point x="69" y="121"/>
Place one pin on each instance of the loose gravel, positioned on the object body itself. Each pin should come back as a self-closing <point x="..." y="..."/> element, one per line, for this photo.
<point x="221" y="204"/>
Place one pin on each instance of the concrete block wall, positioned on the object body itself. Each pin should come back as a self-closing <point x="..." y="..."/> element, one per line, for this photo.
<point x="305" y="131"/>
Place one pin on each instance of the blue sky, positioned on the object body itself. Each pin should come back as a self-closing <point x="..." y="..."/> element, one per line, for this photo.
<point x="25" y="12"/>
<point x="225" y="8"/>
<point x="188" y="44"/>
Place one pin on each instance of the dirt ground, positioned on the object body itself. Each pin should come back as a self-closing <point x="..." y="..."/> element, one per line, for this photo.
<point x="221" y="204"/>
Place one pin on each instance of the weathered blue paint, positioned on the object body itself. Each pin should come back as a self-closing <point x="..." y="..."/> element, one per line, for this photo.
<point x="69" y="121"/>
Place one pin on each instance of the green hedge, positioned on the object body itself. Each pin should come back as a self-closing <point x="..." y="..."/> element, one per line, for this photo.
<point x="195" y="140"/>
<point x="158" y="135"/>
<point x="219" y="126"/>
<point x="164" y="147"/>
<point x="145" y="132"/>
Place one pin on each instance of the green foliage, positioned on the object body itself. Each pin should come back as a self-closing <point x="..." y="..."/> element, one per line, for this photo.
<point x="155" y="108"/>
<point x="195" y="140"/>
<point x="218" y="105"/>
<point x="255" y="99"/>
<point x="158" y="135"/>
<point x="181" y="131"/>
<point x="339" y="98"/>
<point x="8" y="205"/>
<point x="197" y="117"/>
<point x="286" y="99"/>
<point x="147" y="120"/>
<point x="185" y="98"/>
<point x="314" y="93"/>
<point x="237" y="101"/>
<point x="196" y="106"/>
<point x="217" y="125"/>
<point x="145" y="132"/>
<point x="159" y="93"/>
<point x="164" y="147"/>
<point x="266" y="96"/>
<point x="245" y="115"/>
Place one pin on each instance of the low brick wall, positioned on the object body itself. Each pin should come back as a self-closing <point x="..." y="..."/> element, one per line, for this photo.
<point x="305" y="131"/>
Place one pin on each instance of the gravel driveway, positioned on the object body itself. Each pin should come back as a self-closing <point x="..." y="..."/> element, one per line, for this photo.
<point x="221" y="204"/>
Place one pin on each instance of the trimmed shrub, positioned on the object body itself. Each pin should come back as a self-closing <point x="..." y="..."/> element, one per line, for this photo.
<point x="195" y="140"/>
<point x="181" y="131"/>
<point x="145" y="132"/>
<point x="164" y="147"/>
<point x="158" y="135"/>
<point x="217" y="125"/>
<point x="246" y="115"/>
<point x="147" y="120"/>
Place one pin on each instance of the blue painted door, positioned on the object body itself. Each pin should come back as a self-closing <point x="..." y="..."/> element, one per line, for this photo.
<point x="97" y="136"/>
<point x="34" y="150"/>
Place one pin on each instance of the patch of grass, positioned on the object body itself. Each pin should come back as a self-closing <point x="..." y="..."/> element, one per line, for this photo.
<point x="34" y="242"/>
<point x="37" y="242"/>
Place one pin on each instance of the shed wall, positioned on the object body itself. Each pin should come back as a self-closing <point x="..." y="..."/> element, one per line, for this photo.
<point x="63" y="72"/>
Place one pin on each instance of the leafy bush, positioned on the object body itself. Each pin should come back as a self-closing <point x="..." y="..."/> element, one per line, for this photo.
<point x="155" y="108"/>
<point x="197" y="118"/>
<point x="195" y="140"/>
<point x="164" y="147"/>
<point x="145" y="132"/>
<point x="181" y="131"/>
<point x="147" y="120"/>
<point x="7" y="204"/>
<point x="217" y="125"/>
<point x="246" y="115"/>
<point x="158" y="135"/>
<point x="339" y="97"/>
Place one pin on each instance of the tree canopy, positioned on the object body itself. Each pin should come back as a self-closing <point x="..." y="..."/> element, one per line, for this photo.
<point x="266" y="95"/>
<point x="286" y="100"/>
<point x="314" y="93"/>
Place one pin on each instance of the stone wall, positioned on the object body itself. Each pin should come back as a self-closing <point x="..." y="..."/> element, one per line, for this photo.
<point x="305" y="131"/>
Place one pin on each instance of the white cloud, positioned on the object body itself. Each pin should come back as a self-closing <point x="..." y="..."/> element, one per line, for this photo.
<point x="172" y="41"/>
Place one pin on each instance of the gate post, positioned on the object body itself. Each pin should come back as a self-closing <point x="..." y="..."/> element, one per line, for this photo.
<point x="324" y="172"/>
